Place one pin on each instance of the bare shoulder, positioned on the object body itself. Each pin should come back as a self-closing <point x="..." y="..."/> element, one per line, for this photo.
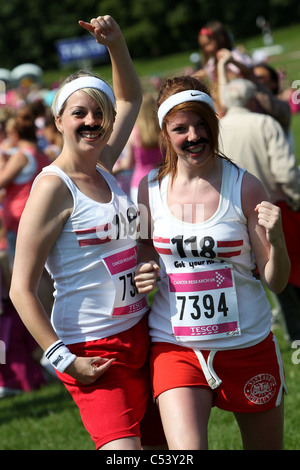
<point x="51" y="195"/>
<point x="50" y="183"/>
<point x="253" y="193"/>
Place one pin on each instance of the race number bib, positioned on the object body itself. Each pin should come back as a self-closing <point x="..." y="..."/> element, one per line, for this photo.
<point x="121" y="266"/>
<point x="203" y="304"/>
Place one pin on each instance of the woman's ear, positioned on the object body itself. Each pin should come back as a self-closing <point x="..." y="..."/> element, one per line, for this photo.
<point x="58" y="124"/>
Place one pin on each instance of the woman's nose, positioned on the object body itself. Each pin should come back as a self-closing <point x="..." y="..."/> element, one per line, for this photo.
<point x="91" y="119"/>
<point x="192" y="134"/>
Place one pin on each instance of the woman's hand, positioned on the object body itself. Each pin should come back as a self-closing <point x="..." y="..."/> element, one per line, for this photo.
<point x="145" y="276"/>
<point x="224" y="55"/>
<point x="104" y="28"/>
<point x="269" y="216"/>
<point x="88" y="369"/>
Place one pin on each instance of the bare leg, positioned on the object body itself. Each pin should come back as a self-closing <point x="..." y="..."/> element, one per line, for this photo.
<point x="185" y="413"/>
<point x="262" y="431"/>
<point x="126" y="443"/>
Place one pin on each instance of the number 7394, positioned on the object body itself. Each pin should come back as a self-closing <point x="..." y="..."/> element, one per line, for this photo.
<point x="197" y="305"/>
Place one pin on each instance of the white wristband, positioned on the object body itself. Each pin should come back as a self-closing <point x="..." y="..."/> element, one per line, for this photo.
<point x="59" y="356"/>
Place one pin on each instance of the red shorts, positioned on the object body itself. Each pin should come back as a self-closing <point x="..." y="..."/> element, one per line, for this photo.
<point x="252" y="379"/>
<point x="114" y="406"/>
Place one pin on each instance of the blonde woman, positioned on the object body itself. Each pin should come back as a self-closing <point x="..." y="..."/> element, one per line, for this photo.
<point x="80" y="223"/>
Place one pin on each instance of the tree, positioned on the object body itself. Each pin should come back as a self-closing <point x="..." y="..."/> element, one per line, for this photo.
<point x="29" y="30"/>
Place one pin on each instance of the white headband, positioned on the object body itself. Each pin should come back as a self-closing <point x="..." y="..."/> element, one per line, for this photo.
<point x="83" y="82"/>
<point x="182" y="97"/>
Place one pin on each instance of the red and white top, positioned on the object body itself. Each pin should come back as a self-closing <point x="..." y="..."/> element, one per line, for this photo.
<point x="18" y="190"/>
<point x="92" y="264"/>
<point x="207" y="295"/>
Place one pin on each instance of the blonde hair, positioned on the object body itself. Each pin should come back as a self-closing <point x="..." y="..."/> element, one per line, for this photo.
<point x="101" y="99"/>
<point x="147" y="123"/>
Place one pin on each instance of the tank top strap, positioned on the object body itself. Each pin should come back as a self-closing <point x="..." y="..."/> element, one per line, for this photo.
<point x="154" y="191"/>
<point x="232" y="186"/>
<point x="230" y="196"/>
<point x="55" y="170"/>
<point x="111" y="181"/>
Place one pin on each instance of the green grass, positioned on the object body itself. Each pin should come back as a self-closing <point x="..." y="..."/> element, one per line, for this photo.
<point x="296" y="134"/>
<point x="48" y="419"/>
<point x="288" y="38"/>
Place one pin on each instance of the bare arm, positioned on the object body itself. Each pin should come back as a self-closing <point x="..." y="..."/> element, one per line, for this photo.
<point x="12" y="168"/>
<point x="224" y="57"/>
<point x="39" y="227"/>
<point x="127" y="160"/>
<point x="41" y="223"/>
<point x="148" y="268"/>
<point x="266" y="235"/>
<point x="126" y="85"/>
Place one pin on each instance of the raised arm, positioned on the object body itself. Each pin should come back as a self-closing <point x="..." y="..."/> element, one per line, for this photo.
<point x="126" y="84"/>
<point x="148" y="268"/>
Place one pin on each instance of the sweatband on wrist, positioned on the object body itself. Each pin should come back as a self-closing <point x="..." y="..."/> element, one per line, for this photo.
<point x="59" y="356"/>
<point x="182" y="97"/>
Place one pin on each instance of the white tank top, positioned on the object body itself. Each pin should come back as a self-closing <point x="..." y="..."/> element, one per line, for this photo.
<point x="207" y="295"/>
<point x="92" y="264"/>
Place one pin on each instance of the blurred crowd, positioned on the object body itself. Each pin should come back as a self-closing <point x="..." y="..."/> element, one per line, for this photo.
<point x="29" y="141"/>
<point x="241" y="89"/>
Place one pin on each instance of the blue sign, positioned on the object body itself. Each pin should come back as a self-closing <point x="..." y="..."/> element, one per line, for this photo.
<point x="79" y="49"/>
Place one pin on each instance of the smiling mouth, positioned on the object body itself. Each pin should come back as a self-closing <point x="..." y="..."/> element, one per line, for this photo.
<point x="195" y="150"/>
<point x="195" y="147"/>
<point x="90" y="133"/>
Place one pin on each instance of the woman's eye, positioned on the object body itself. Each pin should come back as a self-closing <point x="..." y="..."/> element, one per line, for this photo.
<point x="78" y="113"/>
